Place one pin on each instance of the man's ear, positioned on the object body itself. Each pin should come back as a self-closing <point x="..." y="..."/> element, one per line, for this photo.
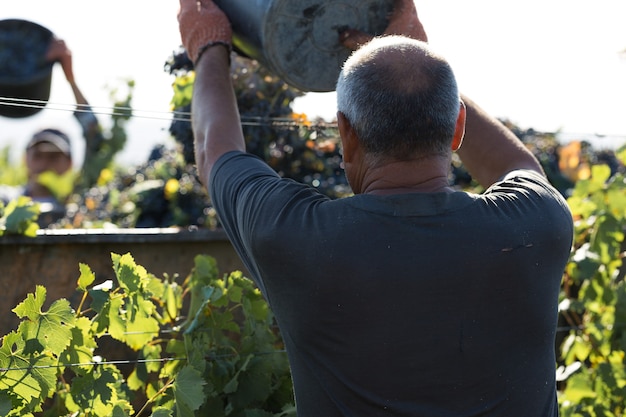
<point x="349" y="139"/>
<point x="459" y="130"/>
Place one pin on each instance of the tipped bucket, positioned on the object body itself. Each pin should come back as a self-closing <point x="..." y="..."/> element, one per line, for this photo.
<point x="298" y="40"/>
<point x="25" y="75"/>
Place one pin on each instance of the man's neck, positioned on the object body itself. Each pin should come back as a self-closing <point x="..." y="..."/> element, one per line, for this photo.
<point x="426" y="175"/>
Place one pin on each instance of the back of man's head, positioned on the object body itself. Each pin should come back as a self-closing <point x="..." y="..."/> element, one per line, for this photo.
<point x="400" y="97"/>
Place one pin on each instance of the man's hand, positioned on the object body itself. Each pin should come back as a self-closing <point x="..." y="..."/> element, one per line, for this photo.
<point x="403" y="21"/>
<point x="59" y="52"/>
<point x="201" y="24"/>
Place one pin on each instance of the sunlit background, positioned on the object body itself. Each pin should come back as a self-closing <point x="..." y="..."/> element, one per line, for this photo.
<point x="549" y="65"/>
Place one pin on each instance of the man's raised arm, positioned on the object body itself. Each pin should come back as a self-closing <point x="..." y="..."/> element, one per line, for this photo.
<point x="207" y="37"/>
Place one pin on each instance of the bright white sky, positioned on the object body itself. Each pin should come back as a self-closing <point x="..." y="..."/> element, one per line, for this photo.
<point x="548" y="65"/>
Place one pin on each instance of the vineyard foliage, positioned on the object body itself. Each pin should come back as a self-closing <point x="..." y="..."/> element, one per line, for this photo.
<point x="593" y="300"/>
<point x="224" y="358"/>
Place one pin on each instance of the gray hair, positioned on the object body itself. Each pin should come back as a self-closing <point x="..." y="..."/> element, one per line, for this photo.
<point x="400" y="97"/>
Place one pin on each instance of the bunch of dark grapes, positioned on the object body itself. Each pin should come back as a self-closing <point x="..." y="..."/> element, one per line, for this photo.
<point x="180" y="129"/>
<point x="163" y="192"/>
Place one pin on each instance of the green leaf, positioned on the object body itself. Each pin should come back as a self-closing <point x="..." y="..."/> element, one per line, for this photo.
<point x="27" y="378"/>
<point x="600" y="174"/>
<point x="87" y="277"/>
<point x="60" y="186"/>
<point x="31" y="306"/>
<point x="96" y="390"/>
<point x="578" y="388"/>
<point x="258" y="413"/>
<point x="20" y="217"/>
<point x="121" y="409"/>
<point x="128" y="273"/>
<point x="154" y="286"/>
<point x="5" y="403"/>
<point x="82" y="346"/>
<point x="205" y="270"/>
<point x="141" y="327"/>
<point x="51" y="329"/>
<point x="140" y="331"/>
<point x="188" y="389"/>
<point x="112" y="319"/>
<point x="161" y="412"/>
<point x="173" y="301"/>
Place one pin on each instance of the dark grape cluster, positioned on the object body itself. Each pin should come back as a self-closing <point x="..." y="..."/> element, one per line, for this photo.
<point x="180" y="129"/>
<point x="295" y="147"/>
<point x="163" y="192"/>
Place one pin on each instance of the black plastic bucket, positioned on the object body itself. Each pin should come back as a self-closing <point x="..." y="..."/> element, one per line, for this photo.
<point x="25" y="75"/>
<point x="298" y="40"/>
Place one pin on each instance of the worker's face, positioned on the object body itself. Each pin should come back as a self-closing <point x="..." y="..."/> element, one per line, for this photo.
<point x="44" y="157"/>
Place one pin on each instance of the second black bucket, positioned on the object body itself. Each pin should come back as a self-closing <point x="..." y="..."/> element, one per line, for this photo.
<point x="298" y="40"/>
<point x="25" y="75"/>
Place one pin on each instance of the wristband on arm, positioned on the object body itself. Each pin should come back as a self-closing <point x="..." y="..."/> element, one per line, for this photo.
<point x="202" y="24"/>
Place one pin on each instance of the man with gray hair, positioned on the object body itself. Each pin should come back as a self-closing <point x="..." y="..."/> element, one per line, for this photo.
<point x="409" y="298"/>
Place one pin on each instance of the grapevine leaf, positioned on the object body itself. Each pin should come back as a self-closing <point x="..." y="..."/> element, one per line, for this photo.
<point x="161" y="412"/>
<point x="25" y="363"/>
<point x="172" y="301"/>
<point x="141" y="328"/>
<point x="83" y="344"/>
<point x="128" y="273"/>
<point x="44" y="372"/>
<point x="233" y="384"/>
<point x="18" y="378"/>
<point x="255" y="385"/>
<point x="31" y="306"/>
<point x="22" y="385"/>
<point x="183" y="90"/>
<point x="120" y="410"/>
<point x="188" y="389"/>
<point x="154" y="286"/>
<point x="96" y="390"/>
<point x="578" y="388"/>
<point x="198" y="314"/>
<point x="110" y="318"/>
<point x="87" y="277"/>
<point x="205" y="268"/>
<point x="258" y="413"/>
<point x="599" y="174"/>
<point x="152" y="352"/>
<point x="139" y="376"/>
<point x="235" y="293"/>
<point x="20" y="217"/>
<point x="616" y="199"/>
<point x="100" y="296"/>
<point x="61" y="186"/>
<point x="51" y="329"/>
<point x="260" y="310"/>
<point x="5" y="403"/>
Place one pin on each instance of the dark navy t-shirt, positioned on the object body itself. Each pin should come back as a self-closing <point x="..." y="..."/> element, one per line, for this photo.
<point x="423" y="304"/>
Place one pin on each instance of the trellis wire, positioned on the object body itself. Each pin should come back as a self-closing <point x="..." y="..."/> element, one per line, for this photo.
<point x="276" y="122"/>
<point x="559" y="329"/>
<point x="160" y="115"/>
